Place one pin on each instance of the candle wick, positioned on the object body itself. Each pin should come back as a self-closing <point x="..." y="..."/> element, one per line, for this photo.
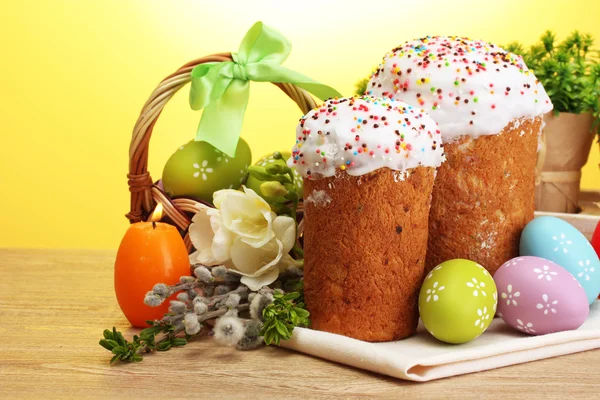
<point x="153" y="224"/>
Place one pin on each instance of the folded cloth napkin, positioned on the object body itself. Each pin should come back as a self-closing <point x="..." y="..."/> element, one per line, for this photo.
<point x="422" y="358"/>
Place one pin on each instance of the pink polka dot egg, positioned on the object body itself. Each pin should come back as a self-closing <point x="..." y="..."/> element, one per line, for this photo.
<point x="537" y="296"/>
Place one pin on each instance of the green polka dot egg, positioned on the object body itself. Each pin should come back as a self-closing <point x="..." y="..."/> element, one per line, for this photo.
<point x="254" y="183"/>
<point x="458" y="301"/>
<point x="198" y="169"/>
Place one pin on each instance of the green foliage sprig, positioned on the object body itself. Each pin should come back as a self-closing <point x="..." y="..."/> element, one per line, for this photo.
<point x="569" y="71"/>
<point x="282" y="316"/>
<point x="130" y="351"/>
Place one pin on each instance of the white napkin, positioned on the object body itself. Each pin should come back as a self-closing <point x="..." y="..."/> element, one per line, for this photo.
<point x="422" y="358"/>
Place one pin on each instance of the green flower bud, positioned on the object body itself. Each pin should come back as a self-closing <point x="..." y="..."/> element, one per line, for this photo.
<point x="273" y="189"/>
<point x="277" y="169"/>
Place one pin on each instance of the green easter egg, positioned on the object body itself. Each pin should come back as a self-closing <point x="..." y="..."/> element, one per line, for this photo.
<point x="254" y="183"/>
<point x="458" y="301"/>
<point x="197" y="169"/>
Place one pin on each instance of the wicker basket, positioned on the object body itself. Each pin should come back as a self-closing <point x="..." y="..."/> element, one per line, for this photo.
<point x="144" y="193"/>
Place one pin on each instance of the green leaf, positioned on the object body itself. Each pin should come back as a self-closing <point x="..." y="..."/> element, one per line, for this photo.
<point x="115" y="359"/>
<point x="118" y="350"/>
<point x="179" y="342"/>
<point x="269" y="337"/>
<point x="121" y="339"/>
<point x="283" y="331"/>
<point x="112" y="343"/>
<point x="149" y="333"/>
<point x="164" y="346"/>
<point x="291" y="296"/>
<point x="108" y="334"/>
<point x="302" y="313"/>
<point x="104" y="343"/>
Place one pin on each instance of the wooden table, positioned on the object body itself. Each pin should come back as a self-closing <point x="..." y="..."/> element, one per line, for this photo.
<point x="55" y="304"/>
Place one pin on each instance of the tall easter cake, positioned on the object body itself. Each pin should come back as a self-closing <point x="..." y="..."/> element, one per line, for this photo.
<point x="489" y="108"/>
<point x="368" y="166"/>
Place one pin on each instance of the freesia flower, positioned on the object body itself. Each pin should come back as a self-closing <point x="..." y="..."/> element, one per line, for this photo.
<point x="245" y="235"/>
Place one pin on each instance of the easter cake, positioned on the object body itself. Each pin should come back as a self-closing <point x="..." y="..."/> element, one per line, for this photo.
<point x="368" y="166"/>
<point x="489" y="108"/>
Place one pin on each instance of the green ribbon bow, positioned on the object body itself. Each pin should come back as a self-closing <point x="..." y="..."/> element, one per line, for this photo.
<point x="222" y="89"/>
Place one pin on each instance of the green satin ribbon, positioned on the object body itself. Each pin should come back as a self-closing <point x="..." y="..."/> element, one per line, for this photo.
<point x="222" y="89"/>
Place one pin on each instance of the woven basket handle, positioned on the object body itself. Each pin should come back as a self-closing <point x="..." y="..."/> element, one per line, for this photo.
<point x="144" y="194"/>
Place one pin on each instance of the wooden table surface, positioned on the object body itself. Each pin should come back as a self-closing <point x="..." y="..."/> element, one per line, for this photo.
<point x="54" y="305"/>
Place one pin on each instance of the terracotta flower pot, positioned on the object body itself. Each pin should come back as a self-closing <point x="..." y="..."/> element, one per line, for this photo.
<point x="565" y="146"/>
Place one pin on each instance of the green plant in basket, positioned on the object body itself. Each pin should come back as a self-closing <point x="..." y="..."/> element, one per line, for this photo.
<point x="569" y="71"/>
<point x="270" y="169"/>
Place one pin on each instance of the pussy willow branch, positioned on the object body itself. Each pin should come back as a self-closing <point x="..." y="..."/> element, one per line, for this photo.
<point x="201" y="319"/>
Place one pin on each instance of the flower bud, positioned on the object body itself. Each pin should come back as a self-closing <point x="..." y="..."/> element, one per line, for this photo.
<point x="186" y="279"/>
<point x="232" y="301"/>
<point x="192" y="326"/>
<point x="152" y="299"/>
<point x="183" y="297"/>
<point x="229" y="330"/>
<point x="200" y="308"/>
<point x="177" y="307"/>
<point x="219" y="272"/>
<point x="203" y="274"/>
<point x="161" y="290"/>
<point x="273" y="189"/>
<point x="277" y="169"/>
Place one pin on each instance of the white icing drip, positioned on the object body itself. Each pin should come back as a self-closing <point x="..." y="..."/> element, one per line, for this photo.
<point x="319" y="198"/>
<point x="496" y="88"/>
<point x="400" y="176"/>
<point x="360" y="135"/>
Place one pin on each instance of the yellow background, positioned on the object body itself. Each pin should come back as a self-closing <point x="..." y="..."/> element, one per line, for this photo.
<point x="74" y="75"/>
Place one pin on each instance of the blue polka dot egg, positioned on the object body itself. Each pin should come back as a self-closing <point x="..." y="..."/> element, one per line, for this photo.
<point x="556" y="240"/>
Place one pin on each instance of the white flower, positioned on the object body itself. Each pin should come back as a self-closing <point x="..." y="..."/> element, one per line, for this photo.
<point x="431" y="293"/>
<point x="202" y="170"/>
<point x="586" y="269"/>
<point x="528" y="328"/>
<point x="547" y="306"/>
<point x="244" y="234"/>
<point x="482" y="316"/>
<point x="545" y="272"/>
<point x="477" y="287"/>
<point x="562" y="241"/>
<point x="509" y="296"/>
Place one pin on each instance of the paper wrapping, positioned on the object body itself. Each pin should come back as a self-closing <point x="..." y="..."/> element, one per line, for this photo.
<point x="565" y="146"/>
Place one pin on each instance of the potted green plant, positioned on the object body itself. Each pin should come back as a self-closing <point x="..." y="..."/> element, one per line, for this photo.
<point x="570" y="73"/>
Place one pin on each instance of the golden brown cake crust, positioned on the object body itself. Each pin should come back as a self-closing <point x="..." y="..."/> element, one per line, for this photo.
<point x="365" y="240"/>
<point x="484" y="196"/>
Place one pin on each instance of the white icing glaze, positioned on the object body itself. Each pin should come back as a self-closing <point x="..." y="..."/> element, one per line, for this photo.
<point x="362" y="134"/>
<point x="469" y="87"/>
<point x="319" y="198"/>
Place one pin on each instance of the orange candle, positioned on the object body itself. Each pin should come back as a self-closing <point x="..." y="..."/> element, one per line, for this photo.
<point x="150" y="253"/>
